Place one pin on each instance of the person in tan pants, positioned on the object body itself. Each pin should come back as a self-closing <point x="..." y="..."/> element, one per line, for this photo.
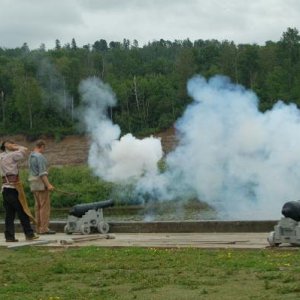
<point x="40" y="187"/>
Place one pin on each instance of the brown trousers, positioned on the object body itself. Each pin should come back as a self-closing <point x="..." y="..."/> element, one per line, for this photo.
<point x="42" y="210"/>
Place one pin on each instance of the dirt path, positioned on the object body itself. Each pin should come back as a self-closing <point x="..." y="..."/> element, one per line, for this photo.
<point x="149" y="240"/>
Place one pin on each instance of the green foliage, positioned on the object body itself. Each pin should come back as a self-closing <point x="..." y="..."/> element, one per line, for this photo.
<point x="80" y="181"/>
<point x="40" y="87"/>
<point x="74" y="185"/>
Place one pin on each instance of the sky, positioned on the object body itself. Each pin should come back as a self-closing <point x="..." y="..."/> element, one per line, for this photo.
<point x="43" y="21"/>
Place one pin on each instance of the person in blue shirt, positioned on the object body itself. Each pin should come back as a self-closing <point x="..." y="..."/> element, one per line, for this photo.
<point x="40" y="187"/>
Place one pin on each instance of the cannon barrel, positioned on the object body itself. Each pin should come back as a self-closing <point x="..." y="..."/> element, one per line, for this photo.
<point x="79" y="210"/>
<point x="291" y="210"/>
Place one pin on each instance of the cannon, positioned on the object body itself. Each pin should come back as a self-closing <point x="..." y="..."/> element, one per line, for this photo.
<point x="288" y="228"/>
<point x="85" y="218"/>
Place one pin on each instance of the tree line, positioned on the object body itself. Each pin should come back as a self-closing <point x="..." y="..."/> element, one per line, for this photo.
<point x="39" y="88"/>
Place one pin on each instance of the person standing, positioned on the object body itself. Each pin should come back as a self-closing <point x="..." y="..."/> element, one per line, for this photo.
<point x="14" y="199"/>
<point x="40" y="187"/>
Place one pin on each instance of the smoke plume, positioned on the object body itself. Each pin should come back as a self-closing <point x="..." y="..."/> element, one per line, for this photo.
<point x="244" y="163"/>
<point x="54" y="86"/>
<point x="111" y="157"/>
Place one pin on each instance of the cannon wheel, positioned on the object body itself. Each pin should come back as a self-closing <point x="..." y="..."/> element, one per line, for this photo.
<point x="85" y="229"/>
<point x="67" y="230"/>
<point x="271" y="239"/>
<point x="103" y="227"/>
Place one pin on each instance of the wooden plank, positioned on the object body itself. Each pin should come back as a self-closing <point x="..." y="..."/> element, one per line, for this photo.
<point x="85" y="239"/>
<point x="33" y="243"/>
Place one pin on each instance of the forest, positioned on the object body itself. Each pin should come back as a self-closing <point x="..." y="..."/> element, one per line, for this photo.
<point x="39" y="88"/>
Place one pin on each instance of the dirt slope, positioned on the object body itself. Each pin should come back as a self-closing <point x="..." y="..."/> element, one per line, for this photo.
<point x="74" y="149"/>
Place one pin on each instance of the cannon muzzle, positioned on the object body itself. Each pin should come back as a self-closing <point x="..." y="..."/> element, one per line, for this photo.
<point x="291" y="210"/>
<point x="79" y="210"/>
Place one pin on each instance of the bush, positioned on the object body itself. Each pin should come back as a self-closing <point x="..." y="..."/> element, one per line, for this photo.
<point x="75" y="185"/>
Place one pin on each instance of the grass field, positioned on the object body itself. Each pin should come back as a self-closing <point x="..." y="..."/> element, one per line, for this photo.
<point x="136" y="273"/>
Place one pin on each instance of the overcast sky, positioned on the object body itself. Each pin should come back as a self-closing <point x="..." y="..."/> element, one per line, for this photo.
<point x="242" y="21"/>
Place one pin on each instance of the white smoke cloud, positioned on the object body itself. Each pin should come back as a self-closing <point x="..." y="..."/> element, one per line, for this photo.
<point x="111" y="157"/>
<point x="241" y="161"/>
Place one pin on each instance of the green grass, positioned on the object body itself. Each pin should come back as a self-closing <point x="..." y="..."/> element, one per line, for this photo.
<point x="137" y="273"/>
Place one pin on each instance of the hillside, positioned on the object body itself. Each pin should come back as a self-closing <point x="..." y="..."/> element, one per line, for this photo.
<point x="74" y="149"/>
